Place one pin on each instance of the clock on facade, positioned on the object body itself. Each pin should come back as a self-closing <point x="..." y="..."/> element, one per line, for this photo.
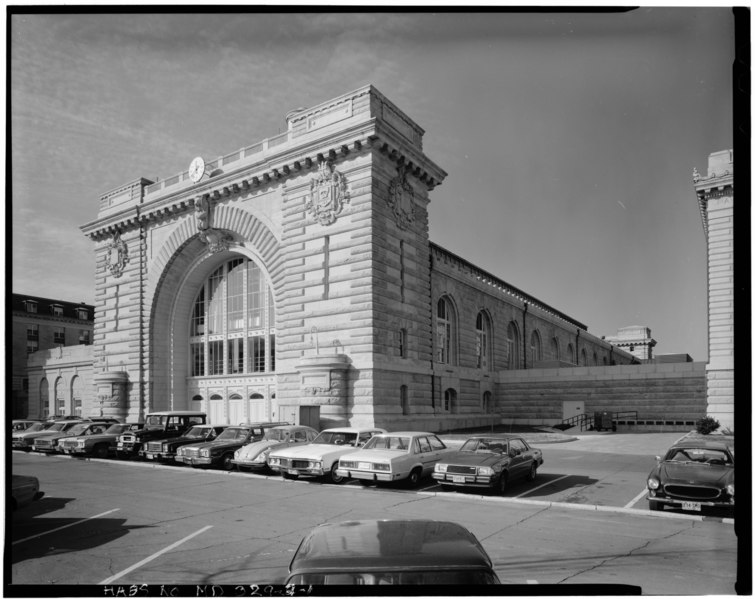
<point x="196" y="169"/>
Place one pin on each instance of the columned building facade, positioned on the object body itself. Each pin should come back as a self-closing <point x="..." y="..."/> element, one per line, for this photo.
<point x="297" y="273"/>
<point x="715" y="197"/>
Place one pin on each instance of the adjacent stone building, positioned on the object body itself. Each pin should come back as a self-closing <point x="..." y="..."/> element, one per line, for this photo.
<point x="296" y="274"/>
<point x="41" y="327"/>
<point x="715" y="196"/>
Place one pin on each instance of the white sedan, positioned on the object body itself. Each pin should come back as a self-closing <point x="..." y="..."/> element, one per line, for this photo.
<point x="391" y="457"/>
<point x="320" y="457"/>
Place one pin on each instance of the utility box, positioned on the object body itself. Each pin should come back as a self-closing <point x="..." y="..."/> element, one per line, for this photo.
<point x="603" y="421"/>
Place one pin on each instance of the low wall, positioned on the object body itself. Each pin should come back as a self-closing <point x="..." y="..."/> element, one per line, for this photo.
<point x="658" y="392"/>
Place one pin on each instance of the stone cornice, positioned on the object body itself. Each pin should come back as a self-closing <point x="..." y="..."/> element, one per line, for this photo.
<point x="291" y="161"/>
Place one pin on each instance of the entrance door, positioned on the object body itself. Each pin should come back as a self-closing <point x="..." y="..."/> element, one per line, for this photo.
<point x="573" y="408"/>
<point x="236" y="410"/>
<point x="217" y="413"/>
<point x="257" y="408"/>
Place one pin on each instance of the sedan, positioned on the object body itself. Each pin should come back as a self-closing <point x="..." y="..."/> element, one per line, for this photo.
<point x="695" y="472"/>
<point x="254" y="455"/>
<point x="489" y="462"/>
<point x="392" y="457"/>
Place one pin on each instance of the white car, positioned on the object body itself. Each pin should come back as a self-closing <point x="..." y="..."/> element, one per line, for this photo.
<point x="407" y="455"/>
<point x="320" y="457"/>
<point x="254" y="455"/>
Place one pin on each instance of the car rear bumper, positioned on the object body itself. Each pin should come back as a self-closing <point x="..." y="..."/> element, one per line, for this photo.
<point x="373" y="476"/>
<point x="465" y="480"/>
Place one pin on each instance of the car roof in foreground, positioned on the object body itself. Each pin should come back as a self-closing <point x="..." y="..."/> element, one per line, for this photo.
<point x="703" y="442"/>
<point x="393" y="544"/>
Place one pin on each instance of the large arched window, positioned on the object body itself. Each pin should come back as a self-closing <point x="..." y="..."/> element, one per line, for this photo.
<point x="76" y="395"/>
<point x="570" y="353"/>
<point x="233" y="322"/>
<point x="536" y="348"/>
<point x="44" y="398"/>
<point x="483" y="341"/>
<point x="60" y="398"/>
<point x="512" y="341"/>
<point x="555" y="351"/>
<point x="445" y="341"/>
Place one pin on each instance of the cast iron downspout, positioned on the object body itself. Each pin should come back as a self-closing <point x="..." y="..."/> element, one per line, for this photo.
<point x="577" y="356"/>
<point x="524" y="333"/>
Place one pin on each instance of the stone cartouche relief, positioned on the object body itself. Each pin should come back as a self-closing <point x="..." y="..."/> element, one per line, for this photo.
<point x="217" y="240"/>
<point x="401" y="199"/>
<point x="116" y="257"/>
<point x="328" y="194"/>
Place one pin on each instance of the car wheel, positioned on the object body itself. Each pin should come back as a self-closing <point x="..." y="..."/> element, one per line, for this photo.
<point x="333" y="477"/>
<point x="100" y="451"/>
<point x="226" y="462"/>
<point x="502" y="483"/>
<point x="532" y="474"/>
<point x="414" y="477"/>
<point x="656" y="506"/>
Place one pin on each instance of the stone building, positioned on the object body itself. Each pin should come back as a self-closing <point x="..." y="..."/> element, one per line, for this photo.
<point x="715" y="196"/>
<point x="637" y="340"/>
<point x="296" y="274"/>
<point x="42" y="326"/>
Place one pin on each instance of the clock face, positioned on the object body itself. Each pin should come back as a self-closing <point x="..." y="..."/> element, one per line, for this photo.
<point x="196" y="169"/>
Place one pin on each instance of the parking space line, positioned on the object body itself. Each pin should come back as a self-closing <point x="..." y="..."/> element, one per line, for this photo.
<point x="41" y="534"/>
<point x="550" y="482"/>
<point x="154" y="556"/>
<point x="636" y="499"/>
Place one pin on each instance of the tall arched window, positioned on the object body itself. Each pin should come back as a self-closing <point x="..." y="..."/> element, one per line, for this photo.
<point x="487" y="402"/>
<point x="60" y="397"/>
<point x="536" y="349"/>
<point x="570" y="353"/>
<point x="483" y="341"/>
<point x="445" y="352"/>
<point x="233" y="322"/>
<point x="44" y="398"/>
<point x="76" y="395"/>
<point x="512" y="341"/>
<point x="404" y="394"/>
<point x="449" y="401"/>
<point x="583" y="354"/>
<point x="555" y="351"/>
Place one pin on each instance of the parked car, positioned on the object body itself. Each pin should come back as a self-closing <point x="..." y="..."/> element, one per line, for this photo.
<point x="24" y="490"/>
<point x="157" y="425"/>
<point x="397" y="552"/>
<point x="165" y="449"/>
<point x="98" y="445"/>
<point x="489" y="461"/>
<point x="392" y="457"/>
<point x="26" y="439"/>
<point x="18" y="438"/>
<point x="18" y="426"/>
<point x="254" y="455"/>
<point x="320" y="457"/>
<point x="219" y="452"/>
<point x="696" y="472"/>
<point x="49" y="443"/>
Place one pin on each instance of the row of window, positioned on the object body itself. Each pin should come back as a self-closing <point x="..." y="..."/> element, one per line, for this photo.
<point x="447" y="352"/>
<point x="58" y="337"/>
<point x="56" y="310"/>
<point x="60" y="404"/>
<point x="449" y="404"/>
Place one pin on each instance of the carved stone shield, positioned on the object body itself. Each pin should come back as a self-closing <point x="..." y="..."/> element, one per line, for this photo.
<point x="328" y="193"/>
<point x="401" y="199"/>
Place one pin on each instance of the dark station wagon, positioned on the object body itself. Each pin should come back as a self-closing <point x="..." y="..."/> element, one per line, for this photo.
<point x="696" y="472"/>
<point x="394" y="552"/>
<point x="165" y="449"/>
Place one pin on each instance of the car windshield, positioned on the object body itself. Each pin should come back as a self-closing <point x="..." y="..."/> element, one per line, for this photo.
<point x="699" y="455"/>
<point x="389" y="442"/>
<point x="117" y="429"/>
<point x="277" y="434"/>
<point x="336" y="438"/>
<point x="78" y="429"/>
<point x="444" y="576"/>
<point x="198" y="432"/>
<point x="233" y="433"/>
<point x="484" y="445"/>
<point x="37" y="426"/>
<point x="155" y="421"/>
<point x="58" y="426"/>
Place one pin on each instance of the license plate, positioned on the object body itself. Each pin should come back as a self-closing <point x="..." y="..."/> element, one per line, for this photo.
<point x="691" y="506"/>
<point x="150" y="456"/>
<point x="291" y="471"/>
<point x="458" y="479"/>
<point x="363" y="465"/>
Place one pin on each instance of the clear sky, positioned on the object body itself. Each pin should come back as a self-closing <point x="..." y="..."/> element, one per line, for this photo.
<point x="569" y="139"/>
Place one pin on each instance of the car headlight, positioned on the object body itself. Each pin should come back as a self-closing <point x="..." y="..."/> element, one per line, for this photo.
<point x="273" y="461"/>
<point x="485" y="471"/>
<point x="261" y="457"/>
<point x="441" y="467"/>
<point x="730" y="489"/>
<point x="653" y="483"/>
<point x="204" y="453"/>
<point x="315" y="464"/>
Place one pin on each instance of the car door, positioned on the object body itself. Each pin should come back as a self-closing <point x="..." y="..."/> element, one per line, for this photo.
<point x="521" y="459"/>
<point x="429" y="453"/>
